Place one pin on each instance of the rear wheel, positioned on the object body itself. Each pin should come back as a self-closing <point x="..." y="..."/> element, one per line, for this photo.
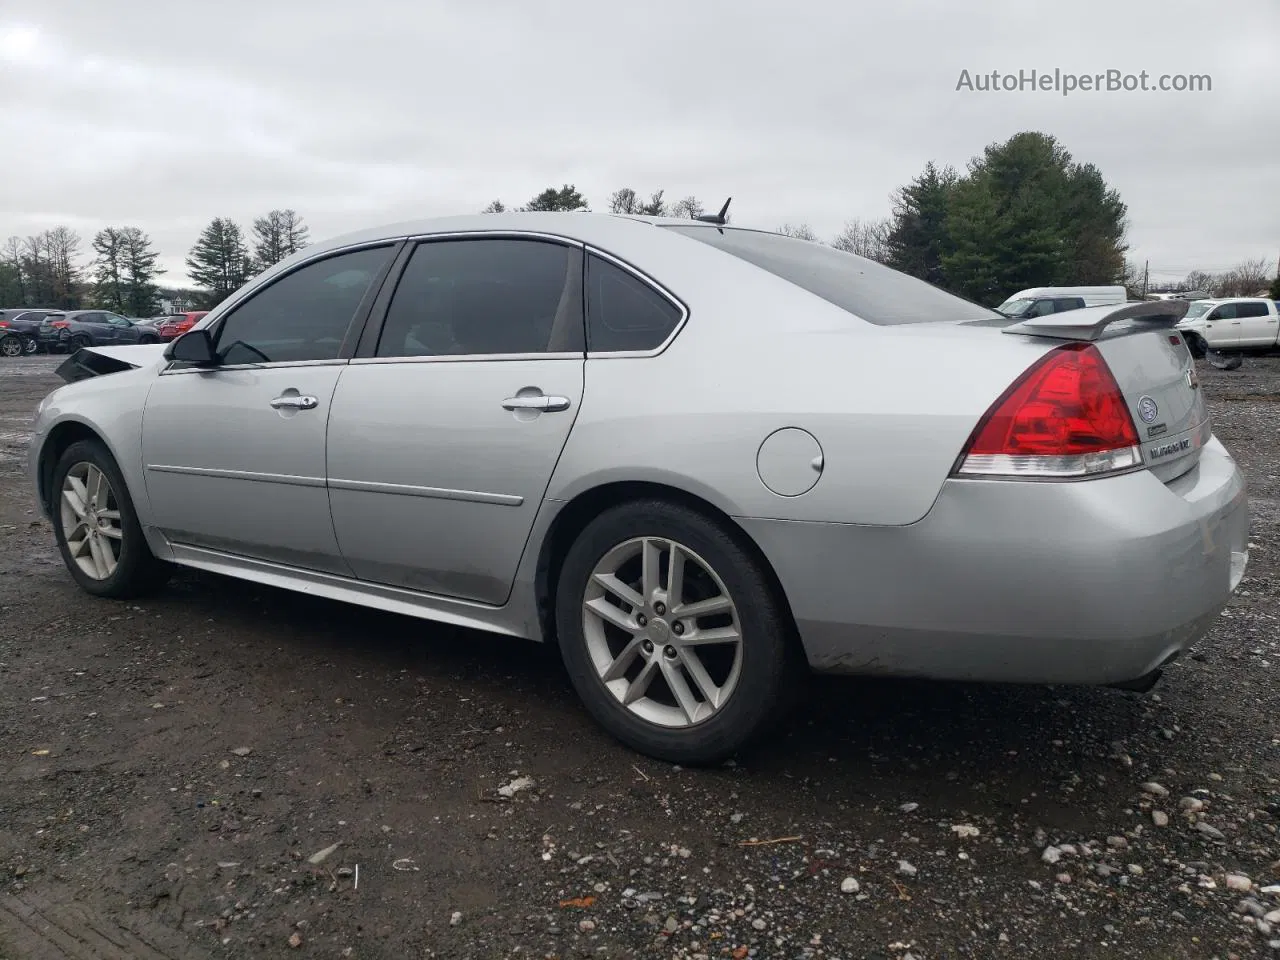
<point x="147" y="338"/>
<point x="11" y="345"/>
<point x="672" y="634"/>
<point x="32" y="345"/>
<point x="80" y="341"/>
<point x="97" y="527"/>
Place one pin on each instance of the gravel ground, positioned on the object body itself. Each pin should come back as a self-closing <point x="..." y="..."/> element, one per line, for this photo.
<point x="231" y="771"/>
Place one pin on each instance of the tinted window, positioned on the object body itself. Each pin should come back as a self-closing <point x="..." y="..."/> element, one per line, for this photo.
<point x="1251" y="310"/>
<point x="624" y="312"/>
<point x="1042" y="308"/>
<point x="486" y="296"/>
<point x="303" y="315"/>
<point x="92" y="318"/>
<point x="1068" y="303"/>
<point x="872" y="291"/>
<point x="1225" y="312"/>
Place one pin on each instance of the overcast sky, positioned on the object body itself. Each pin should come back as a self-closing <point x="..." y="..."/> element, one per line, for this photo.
<point x="165" y="113"/>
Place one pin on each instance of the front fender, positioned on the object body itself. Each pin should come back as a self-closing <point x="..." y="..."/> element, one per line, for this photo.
<point x="111" y="408"/>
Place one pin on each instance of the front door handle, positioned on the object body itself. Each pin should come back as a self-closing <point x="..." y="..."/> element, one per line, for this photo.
<point x="536" y="402"/>
<point x="300" y="403"/>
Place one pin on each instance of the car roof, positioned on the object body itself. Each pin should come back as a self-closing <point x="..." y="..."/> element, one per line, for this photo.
<point x="583" y="226"/>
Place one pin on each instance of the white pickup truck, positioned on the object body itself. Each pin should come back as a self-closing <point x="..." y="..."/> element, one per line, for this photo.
<point x="1236" y="325"/>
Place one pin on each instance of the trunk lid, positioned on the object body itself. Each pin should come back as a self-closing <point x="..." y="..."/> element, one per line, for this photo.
<point x="1154" y="369"/>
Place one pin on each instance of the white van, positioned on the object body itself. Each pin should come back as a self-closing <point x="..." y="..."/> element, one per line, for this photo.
<point x="1040" y="301"/>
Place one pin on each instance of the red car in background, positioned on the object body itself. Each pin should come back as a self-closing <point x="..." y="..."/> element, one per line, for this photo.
<point x="179" y="324"/>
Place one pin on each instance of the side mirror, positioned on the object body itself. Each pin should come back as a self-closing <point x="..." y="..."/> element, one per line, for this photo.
<point x="194" y="347"/>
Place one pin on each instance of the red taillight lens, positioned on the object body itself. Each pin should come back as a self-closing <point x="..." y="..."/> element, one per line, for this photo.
<point x="1065" y="417"/>
<point x="59" y="324"/>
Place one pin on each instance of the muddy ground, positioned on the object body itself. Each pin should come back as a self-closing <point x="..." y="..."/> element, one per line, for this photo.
<point x="168" y="767"/>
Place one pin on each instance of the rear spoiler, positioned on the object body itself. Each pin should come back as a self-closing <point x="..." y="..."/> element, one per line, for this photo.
<point x="1088" y="323"/>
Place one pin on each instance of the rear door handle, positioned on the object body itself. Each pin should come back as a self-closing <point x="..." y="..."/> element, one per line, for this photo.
<point x="300" y="403"/>
<point x="536" y="402"/>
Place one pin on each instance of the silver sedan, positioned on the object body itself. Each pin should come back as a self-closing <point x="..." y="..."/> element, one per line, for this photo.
<point x="703" y="460"/>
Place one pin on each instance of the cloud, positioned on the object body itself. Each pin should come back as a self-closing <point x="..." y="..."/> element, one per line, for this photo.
<point x="164" y="115"/>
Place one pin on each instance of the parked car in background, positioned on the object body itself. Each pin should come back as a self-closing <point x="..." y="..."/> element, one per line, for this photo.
<point x="175" y="326"/>
<point x="91" y="328"/>
<point x="20" y="330"/>
<point x="1235" y="325"/>
<point x="697" y="457"/>
<point x="1042" y="301"/>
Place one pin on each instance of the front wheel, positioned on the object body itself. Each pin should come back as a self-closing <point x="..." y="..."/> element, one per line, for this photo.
<point x="97" y="528"/>
<point x="672" y="634"/>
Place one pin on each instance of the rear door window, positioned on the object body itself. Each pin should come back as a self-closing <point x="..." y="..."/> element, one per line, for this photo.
<point x="485" y="297"/>
<point x="1250" y="310"/>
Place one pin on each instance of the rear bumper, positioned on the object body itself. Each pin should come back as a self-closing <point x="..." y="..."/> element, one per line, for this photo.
<point x="1089" y="582"/>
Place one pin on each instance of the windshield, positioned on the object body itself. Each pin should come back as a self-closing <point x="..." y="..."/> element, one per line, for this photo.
<point x="1196" y="310"/>
<point x="1015" y="308"/>
<point x="865" y="288"/>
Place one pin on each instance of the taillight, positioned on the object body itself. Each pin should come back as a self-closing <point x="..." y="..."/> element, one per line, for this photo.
<point x="59" y="324"/>
<point x="1064" y="418"/>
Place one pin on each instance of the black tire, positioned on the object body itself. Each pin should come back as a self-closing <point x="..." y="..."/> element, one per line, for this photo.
<point x="11" y="345"/>
<point x="770" y="666"/>
<point x="79" y="342"/>
<point x="149" y="339"/>
<point x="137" y="571"/>
<point x="32" y="346"/>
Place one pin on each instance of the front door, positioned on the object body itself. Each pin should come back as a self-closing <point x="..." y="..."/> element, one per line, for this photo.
<point x="1223" y="327"/>
<point x="235" y="455"/>
<point x="442" y="444"/>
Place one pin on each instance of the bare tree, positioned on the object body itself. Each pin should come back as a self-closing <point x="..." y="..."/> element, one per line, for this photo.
<point x="866" y="238"/>
<point x="1199" y="280"/>
<point x="801" y="231"/>
<point x="62" y="246"/>
<point x="280" y="234"/>
<point x="624" y="201"/>
<point x="688" y="208"/>
<point x="1245" y="279"/>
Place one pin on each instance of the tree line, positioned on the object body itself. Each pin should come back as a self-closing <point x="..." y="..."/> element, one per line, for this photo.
<point x="1023" y="213"/>
<point x="123" y="275"/>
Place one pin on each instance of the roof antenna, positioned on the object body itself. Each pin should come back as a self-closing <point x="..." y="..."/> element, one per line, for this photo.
<point x="719" y="218"/>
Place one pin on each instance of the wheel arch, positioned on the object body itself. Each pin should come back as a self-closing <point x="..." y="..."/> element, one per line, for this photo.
<point x="585" y="506"/>
<point x="61" y="436"/>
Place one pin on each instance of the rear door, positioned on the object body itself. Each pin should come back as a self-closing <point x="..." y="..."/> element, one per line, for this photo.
<point x="1258" y="324"/>
<point x="443" y="438"/>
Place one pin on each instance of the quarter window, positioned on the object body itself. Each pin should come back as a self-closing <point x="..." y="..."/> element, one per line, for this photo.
<point x="486" y="296"/>
<point x="305" y="314"/>
<point x="623" y="312"/>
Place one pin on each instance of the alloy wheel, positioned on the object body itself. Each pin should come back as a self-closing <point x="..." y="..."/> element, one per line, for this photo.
<point x="11" y="347"/>
<point x="90" y="517"/>
<point x="662" y="632"/>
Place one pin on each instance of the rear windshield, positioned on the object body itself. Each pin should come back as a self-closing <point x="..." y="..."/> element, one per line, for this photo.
<point x="870" y="290"/>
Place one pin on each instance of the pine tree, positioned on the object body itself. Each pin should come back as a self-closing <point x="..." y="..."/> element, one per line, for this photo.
<point x="566" y="198"/>
<point x="141" y="272"/>
<point x="219" y="261"/>
<point x="108" y="270"/>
